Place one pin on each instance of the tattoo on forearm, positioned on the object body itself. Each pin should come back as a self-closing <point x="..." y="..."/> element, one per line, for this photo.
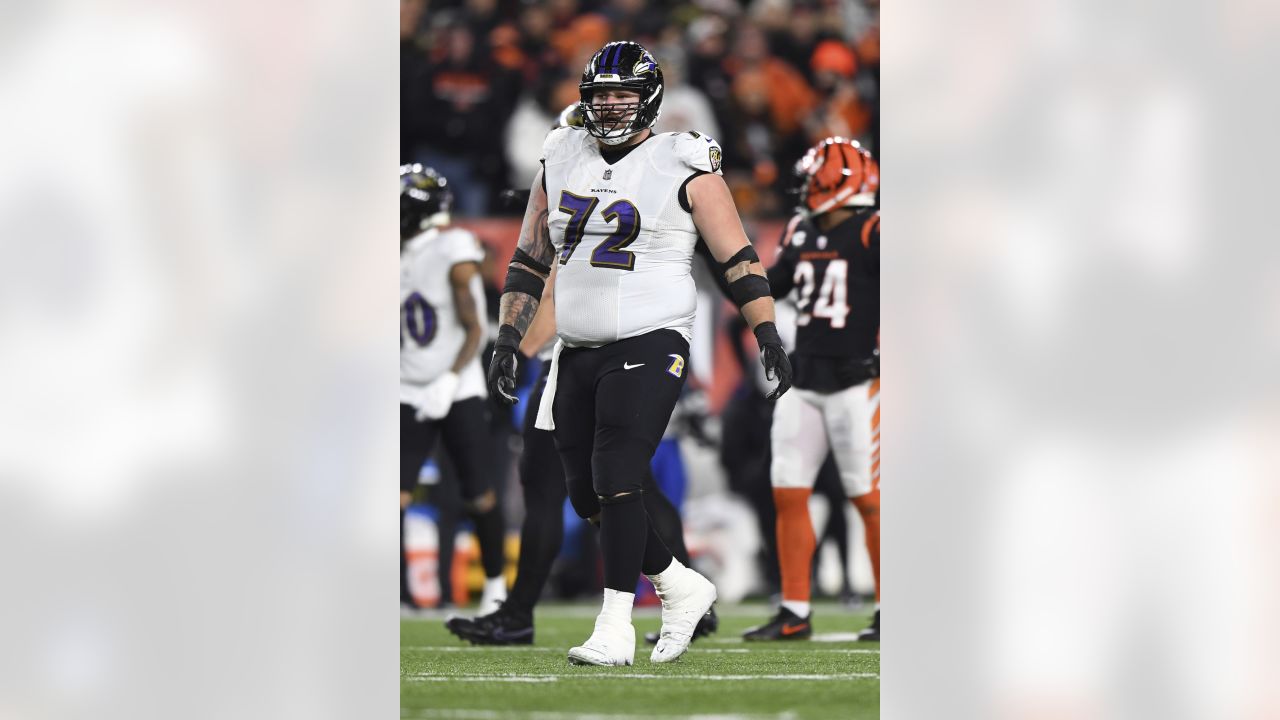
<point x="537" y="240"/>
<point x="544" y="230"/>
<point x="535" y="234"/>
<point x="517" y="310"/>
<point x="524" y="315"/>
<point x="539" y="247"/>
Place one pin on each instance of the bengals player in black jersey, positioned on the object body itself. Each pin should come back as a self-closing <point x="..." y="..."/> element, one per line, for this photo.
<point x="830" y="259"/>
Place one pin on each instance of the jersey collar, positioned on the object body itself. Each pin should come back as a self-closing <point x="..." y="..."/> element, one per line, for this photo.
<point x="613" y="155"/>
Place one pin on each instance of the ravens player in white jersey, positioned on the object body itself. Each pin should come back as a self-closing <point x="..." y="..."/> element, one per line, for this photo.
<point x="442" y="388"/>
<point x="619" y="210"/>
<point x="543" y="487"/>
<point x="830" y="256"/>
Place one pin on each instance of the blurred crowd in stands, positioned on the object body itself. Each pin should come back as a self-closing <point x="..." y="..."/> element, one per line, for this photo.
<point x="483" y="80"/>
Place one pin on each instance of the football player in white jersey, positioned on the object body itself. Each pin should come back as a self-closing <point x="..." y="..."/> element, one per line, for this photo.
<point x="543" y="487"/>
<point x="619" y="210"/>
<point x="442" y="388"/>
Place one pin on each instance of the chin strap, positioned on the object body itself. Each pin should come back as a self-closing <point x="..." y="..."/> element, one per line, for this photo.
<point x="620" y="139"/>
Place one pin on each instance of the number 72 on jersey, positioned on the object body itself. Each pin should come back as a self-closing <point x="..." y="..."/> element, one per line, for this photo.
<point x="611" y="252"/>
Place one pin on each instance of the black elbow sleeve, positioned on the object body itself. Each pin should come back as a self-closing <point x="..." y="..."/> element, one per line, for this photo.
<point x="745" y="255"/>
<point x="527" y="260"/>
<point x="747" y="288"/>
<point x="520" y="280"/>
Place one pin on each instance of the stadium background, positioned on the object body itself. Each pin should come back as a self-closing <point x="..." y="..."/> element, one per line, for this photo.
<point x="481" y="83"/>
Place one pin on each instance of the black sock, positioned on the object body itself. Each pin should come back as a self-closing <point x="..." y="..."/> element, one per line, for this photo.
<point x="540" y="538"/>
<point x="656" y="555"/>
<point x="664" y="518"/>
<point x="624" y="528"/>
<point x="489" y="534"/>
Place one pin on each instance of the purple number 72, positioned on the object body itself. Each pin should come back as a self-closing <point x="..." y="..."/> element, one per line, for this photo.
<point x="611" y="252"/>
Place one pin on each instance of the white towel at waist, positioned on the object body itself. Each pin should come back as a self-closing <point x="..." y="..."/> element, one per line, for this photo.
<point x="545" y="420"/>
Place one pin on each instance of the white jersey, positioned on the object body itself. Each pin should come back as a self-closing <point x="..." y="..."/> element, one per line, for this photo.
<point x="622" y="237"/>
<point x="430" y="334"/>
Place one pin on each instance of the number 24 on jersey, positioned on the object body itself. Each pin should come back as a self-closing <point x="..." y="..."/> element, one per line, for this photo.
<point x="833" y="296"/>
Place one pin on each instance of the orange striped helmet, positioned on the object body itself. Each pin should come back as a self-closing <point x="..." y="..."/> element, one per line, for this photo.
<point x="836" y="173"/>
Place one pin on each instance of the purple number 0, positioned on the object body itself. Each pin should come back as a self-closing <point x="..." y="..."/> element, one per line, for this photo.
<point x="419" y="320"/>
<point x="611" y="252"/>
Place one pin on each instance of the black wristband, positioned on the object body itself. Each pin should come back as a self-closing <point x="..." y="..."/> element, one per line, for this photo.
<point x="766" y="334"/>
<point x="509" y="339"/>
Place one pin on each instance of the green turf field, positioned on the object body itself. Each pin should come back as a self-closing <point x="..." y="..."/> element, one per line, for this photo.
<point x="828" y="677"/>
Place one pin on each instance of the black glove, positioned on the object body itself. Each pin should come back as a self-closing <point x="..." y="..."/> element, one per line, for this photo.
<point x="776" y="364"/>
<point x="502" y="368"/>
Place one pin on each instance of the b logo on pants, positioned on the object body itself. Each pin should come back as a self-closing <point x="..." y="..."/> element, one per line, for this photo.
<point x="677" y="365"/>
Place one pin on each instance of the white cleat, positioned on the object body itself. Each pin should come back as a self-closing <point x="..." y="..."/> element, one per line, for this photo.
<point x="683" y="605"/>
<point x="613" y="643"/>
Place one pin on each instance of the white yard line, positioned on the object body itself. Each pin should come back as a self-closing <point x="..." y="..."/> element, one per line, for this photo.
<point x="484" y="648"/>
<point x="422" y="677"/>
<point x="772" y="649"/>
<point x="591" y="609"/>
<point x="819" y="638"/>
<point x="836" y="637"/>
<point x="478" y="677"/>
<point x="443" y="714"/>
